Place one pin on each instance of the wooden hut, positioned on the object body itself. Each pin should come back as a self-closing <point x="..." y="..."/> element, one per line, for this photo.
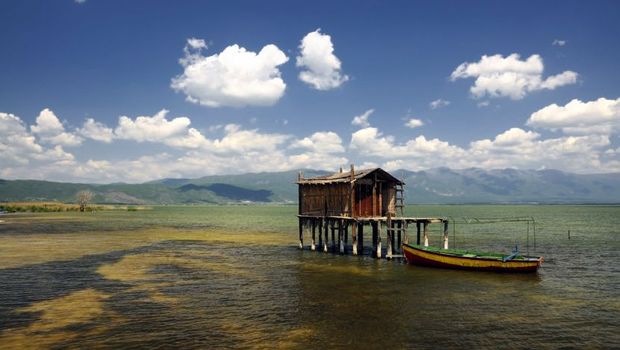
<point x="352" y="199"/>
<point x="367" y="193"/>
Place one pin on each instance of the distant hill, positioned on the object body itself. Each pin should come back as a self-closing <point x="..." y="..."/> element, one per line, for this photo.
<point x="439" y="185"/>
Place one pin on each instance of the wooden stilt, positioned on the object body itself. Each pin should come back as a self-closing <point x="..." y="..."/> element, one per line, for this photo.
<point x="399" y="236"/>
<point x="445" y="234"/>
<point x="390" y="237"/>
<point x="326" y="235"/>
<point x="354" y="237"/>
<point x="333" y="225"/>
<point x="313" y="245"/>
<point x="360" y="237"/>
<point x="341" y="236"/>
<point x="375" y="241"/>
<point x="417" y="224"/>
<point x="405" y="235"/>
<point x="379" y="252"/>
<point x="301" y="234"/>
<point x="426" y="234"/>
<point x="320" y="225"/>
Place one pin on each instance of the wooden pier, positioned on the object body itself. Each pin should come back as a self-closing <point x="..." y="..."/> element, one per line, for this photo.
<point x="350" y="201"/>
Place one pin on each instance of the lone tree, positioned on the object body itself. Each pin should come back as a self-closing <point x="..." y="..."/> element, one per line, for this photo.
<point x="83" y="198"/>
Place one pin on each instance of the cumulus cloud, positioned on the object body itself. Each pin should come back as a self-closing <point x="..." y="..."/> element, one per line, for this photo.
<point x="154" y="129"/>
<point x="515" y="148"/>
<point x="362" y="119"/>
<point x="235" y="77"/>
<point x="321" y="142"/>
<point x="21" y="154"/>
<point x="321" y="68"/>
<point x="414" y="123"/>
<point x="51" y="130"/>
<point x="438" y="103"/>
<point x="510" y="76"/>
<point x="601" y="116"/>
<point x="97" y="131"/>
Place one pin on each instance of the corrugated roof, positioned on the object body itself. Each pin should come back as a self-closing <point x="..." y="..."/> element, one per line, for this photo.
<point x="346" y="177"/>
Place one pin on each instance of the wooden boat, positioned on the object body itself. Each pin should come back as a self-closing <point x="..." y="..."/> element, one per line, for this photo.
<point x="458" y="259"/>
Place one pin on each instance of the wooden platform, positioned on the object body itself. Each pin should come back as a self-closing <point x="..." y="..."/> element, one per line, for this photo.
<point x="394" y="229"/>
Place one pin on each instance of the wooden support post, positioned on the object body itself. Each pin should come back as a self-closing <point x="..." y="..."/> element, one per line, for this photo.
<point x="375" y="241"/>
<point x="326" y="235"/>
<point x="405" y="235"/>
<point x="360" y="237"/>
<point x="320" y="226"/>
<point x="399" y="238"/>
<point x="333" y="225"/>
<point x="425" y="233"/>
<point x="390" y="237"/>
<point x="301" y="233"/>
<point x="379" y="252"/>
<point x="340" y="235"/>
<point x="417" y="224"/>
<point x="346" y="233"/>
<point x="313" y="245"/>
<point x="445" y="234"/>
<point x="354" y="237"/>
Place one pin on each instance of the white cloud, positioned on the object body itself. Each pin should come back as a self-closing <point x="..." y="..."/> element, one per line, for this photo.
<point x="498" y="76"/>
<point x="483" y="104"/>
<point x="362" y="119"/>
<point x="414" y="123"/>
<point x="96" y="131"/>
<point x="235" y="77"/>
<point x="601" y="116"/>
<point x="50" y="130"/>
<point x="155" y="129"/>
<point x="196" y="44"/>
<point x="20" y="154"/>
<point x="514" y="148"/>
<point x="321" y="142"/>
<point x="438" y="103"/>
<point x="558" y="42"/>
<point x="321" y="68"/>
<point x="80" y="1"/>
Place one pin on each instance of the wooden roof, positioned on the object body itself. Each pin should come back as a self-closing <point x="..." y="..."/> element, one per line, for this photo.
<point x="345" y="177"/>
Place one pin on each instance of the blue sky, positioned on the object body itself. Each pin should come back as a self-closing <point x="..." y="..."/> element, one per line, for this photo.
<point x="520" y="85"/>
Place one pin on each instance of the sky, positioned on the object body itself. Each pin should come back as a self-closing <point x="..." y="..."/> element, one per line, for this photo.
<point x="133" y="91"/>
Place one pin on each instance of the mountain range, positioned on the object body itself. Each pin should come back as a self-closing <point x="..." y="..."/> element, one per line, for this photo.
<point x="438" y="185"/>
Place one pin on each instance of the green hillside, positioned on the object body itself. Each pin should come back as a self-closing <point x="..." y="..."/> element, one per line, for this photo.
<point x="439" y="185"/>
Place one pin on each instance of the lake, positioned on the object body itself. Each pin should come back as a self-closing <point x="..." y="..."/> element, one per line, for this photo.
<point x="232" y="277"/>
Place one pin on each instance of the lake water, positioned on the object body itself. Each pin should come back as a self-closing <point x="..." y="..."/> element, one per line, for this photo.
<point x="232" y="277"/>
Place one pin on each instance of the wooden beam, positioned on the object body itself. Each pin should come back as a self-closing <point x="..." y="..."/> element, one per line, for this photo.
<point x="417" y="224"/>
<point x="445" y="234"/>
<point x="390" y="237"/>
<point x="354" y="238"/>
<point x="326" y="233"/>
<point x="301" y="233"/>
<point x="360" y="237"/>
<point x="313" y="245"/>
<point x="352" y="195"/>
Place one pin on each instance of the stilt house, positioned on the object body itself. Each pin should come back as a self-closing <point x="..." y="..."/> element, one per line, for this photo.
<point x="346" y="201"/>
<point x="355" y="194"/>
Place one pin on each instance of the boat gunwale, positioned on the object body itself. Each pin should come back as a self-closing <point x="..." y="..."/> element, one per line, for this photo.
<point x="478" y="258"/>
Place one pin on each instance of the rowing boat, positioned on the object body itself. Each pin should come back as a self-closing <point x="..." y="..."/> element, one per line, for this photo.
<point x="458" y="259"/>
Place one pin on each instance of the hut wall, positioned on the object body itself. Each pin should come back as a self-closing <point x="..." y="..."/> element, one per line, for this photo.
<point x="326" y="200"/>
<point x="389" y="200"/>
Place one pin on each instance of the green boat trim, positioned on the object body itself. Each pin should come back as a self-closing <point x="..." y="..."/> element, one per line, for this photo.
<point x="466" y="253"/>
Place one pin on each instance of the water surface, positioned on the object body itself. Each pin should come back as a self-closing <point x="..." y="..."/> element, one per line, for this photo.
<point x="231" y="276"/>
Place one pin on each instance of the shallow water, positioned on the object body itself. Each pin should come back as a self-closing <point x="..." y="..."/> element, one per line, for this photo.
<point x="231" y="276"/>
